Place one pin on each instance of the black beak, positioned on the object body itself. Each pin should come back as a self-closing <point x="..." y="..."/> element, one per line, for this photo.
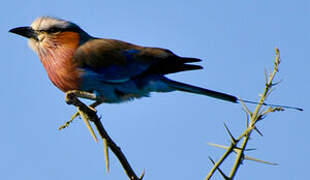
<point x="25" y="31"/>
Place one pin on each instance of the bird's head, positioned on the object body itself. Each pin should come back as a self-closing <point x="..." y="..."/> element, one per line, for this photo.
<point x="55" y="41"/>
<point x="47" y="33"/>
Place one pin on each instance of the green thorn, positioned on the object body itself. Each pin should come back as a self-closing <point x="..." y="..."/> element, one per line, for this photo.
<point x="260" y="161"/>
<point x="106" y="154"/>
<point x="217" y="145"/>
<point x="142" y="175"/>
<point x="258" y="131"/>
<point x="231" y="136"/>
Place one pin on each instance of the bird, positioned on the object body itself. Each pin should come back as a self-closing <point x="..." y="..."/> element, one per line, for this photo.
<point x="114" y="71"/>
<point x="108" y="70"/>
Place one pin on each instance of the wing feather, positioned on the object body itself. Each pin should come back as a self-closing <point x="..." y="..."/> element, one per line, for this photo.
<point x="117" y="60"/>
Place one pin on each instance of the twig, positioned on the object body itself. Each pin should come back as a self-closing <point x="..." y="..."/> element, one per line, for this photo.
<point x="92" y="116"/>
<point x="76" y="114"/>
<point x="254" y="117"/>
<point x="221" y="172"/>
<point x="221" y="160"/>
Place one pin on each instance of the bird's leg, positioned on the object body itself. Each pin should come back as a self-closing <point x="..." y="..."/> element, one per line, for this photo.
<point x="71" y="98"/>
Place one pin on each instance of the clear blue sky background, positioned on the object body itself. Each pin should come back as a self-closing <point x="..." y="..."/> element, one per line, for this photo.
<point x="167" y="133"/>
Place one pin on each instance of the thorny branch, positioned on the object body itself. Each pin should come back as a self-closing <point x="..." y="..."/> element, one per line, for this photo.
<point x="252" y="118"/>
<point x="88" y="113"/>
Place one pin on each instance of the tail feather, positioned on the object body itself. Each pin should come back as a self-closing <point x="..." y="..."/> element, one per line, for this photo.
<point x="197" y="90"/>
<point x="174" y="64"/>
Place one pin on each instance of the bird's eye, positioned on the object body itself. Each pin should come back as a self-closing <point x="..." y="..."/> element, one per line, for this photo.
<point x="53" y="30"/>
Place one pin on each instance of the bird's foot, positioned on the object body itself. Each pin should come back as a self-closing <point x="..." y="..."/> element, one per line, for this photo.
<point x="72" y="95"/>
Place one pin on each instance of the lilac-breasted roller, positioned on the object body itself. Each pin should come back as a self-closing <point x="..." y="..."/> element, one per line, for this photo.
<point x="114" y="71"/>
<point x="107" y="70"/>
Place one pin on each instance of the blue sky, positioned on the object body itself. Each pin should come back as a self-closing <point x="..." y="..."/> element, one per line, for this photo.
<point x="166" y="134"/>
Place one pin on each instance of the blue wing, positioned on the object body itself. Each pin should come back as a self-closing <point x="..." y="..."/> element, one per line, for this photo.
<point x="117" y="61"/>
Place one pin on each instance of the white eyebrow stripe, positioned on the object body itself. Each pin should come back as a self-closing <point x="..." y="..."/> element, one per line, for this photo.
<point x="44" y="23"/>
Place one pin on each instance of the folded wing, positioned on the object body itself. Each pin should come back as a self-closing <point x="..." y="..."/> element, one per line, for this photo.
<point x="118" y="61"/>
